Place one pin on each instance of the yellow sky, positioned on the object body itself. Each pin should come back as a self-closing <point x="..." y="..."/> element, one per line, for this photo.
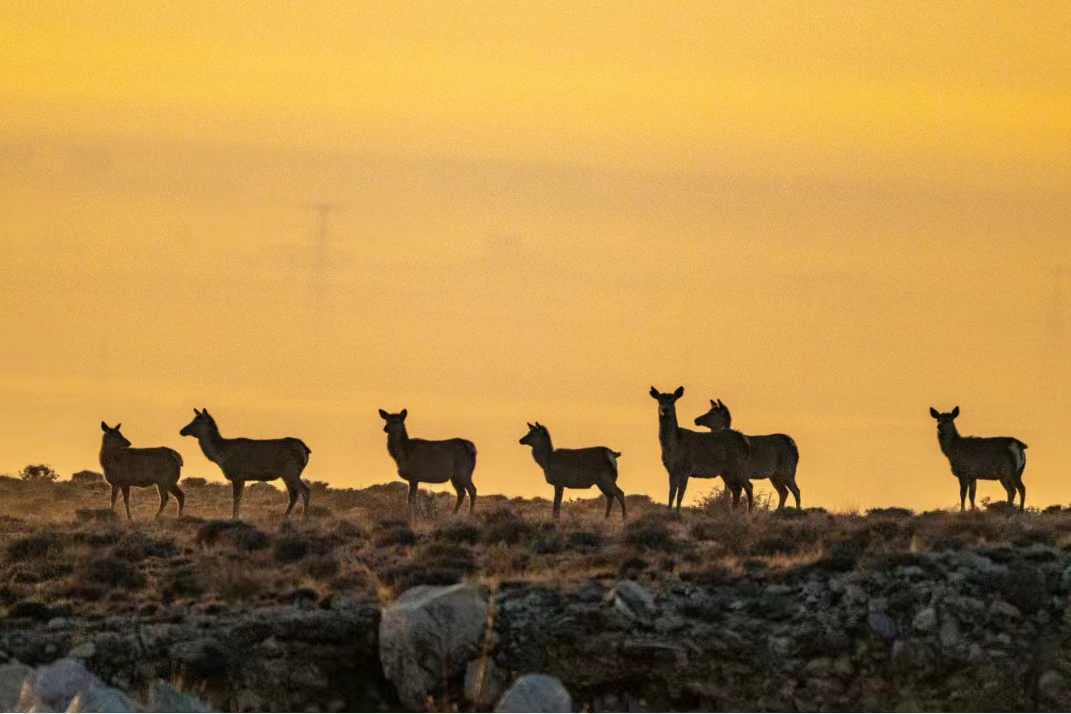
<point x="831" y="217"/>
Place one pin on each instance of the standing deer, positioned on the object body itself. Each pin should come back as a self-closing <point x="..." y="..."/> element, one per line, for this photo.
<point x="687" y="453"/>
<point x="995" y="458"/>
<point x="575" y="468"/>
<point x="244" y="460"/>
<point x="424" y="461"/>
<point x="125" y="467"/>
<point x="773" y="456"/>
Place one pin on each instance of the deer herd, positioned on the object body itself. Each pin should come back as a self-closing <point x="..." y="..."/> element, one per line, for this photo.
<point x="721" y="451"/>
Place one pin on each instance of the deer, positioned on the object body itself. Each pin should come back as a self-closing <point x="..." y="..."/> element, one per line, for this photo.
<point x="244" y="460"/>
<point x="773" y="456"/>
<point x="125" y="466"/>
<point x="995" y="458"/>
<point x="575" y="468"/>
<point x="424" y="461"/>
<point x="687" y="453"/>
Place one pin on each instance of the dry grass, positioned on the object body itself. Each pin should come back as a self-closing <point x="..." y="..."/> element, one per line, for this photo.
<point x="62" y="551"/>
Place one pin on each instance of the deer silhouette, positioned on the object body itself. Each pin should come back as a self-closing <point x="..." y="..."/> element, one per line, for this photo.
<point x="995" y="458"/>
<point x="773" y="456"/>
<point x="575" y="468"/>
<point x="125" y="466"/>
<point x="424" y="461"/>
<point x="687" y="453"/>
<point x="244" y="460"/>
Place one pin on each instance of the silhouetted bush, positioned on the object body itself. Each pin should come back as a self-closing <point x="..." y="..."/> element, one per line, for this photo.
<point x="193" y="482"/>
<point x="87" y="477"/>
<point x="38" y="473"/>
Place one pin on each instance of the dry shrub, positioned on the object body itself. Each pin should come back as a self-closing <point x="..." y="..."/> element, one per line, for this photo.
<point x="434" y="563"/>
<point x="136" y="547"/>
<point x="458" y="531"/>
<point x="46" y="544"/>
<point x="235" y="584"/>
<point x="649" y="532"/>
<point x="96" y="515"/>
<point x="394" y="532"/>
<point x="503" y="525"/>
<point x="183" y="582"/>
<point x="111" y="572"/>
<point x="322" y="567"/>
<point x="238" y="534"/>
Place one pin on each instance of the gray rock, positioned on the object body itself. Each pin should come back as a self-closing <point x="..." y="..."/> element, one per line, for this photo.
<point x="12" y="675"/>
<point x="925" y="620"/>
<point x="101" y="698"/>
<point x="53" y="686"/>
<point x="59" y="623"/>
<point x="484" y="682"/>
<point x="1065" y="579"/>
<point x="1003" y="608"/>
<point x="633" y="600"/>
<point x="950" y="635"/>
<point x="536" y="693"/>
<point x="83" y="651"/>
<point x="883" y="626"/>
<point x="1053" y="687"/>
<point x="428" y="635"/>
<point x="166" y="698"/>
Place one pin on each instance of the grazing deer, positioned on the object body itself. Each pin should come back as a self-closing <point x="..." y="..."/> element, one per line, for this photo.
<point x="125" y="467"/>
<point x="575" y="468"/>
<point x="996" y="458"/>
<point x="773" y="456"/>
<point x="687" y="453"/>
<point x="424" y="461"/>
<point x="244" y="460"/>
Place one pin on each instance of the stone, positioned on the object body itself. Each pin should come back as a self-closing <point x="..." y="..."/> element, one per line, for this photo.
<point x="883" y="626"/>
<point x="1053" y="687"/>
<point x="83" y="651"/>
<point x="1065" y="579"/>
<point x="950" y="635"/>
<point x="536" y="693"/>
<point x="427" y="636"/>
<point x="484" y="682"/>
<point x="53" y="686"/>
<point x="166" y="698"/>
<point x="101" y="698"/>
<point x="633" y="600"/>
<point x="925" y="620"/>
<point x="59" y="623"/>
<point x="1003" y="608"/>
<point x="12" y="675"/>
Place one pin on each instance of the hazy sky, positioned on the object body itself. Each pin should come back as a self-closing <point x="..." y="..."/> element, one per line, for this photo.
<point x="831" y="217"/>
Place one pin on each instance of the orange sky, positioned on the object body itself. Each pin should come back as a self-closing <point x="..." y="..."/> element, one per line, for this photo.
<point x="831" y="217"/>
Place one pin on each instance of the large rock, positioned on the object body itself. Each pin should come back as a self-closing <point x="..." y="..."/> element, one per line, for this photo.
<point x="166" y="698"/>
<point x="428" y="636"/>
<point x="12" y="675"/>
<point x="633" y="600"/>
<point x="53" y="686"/>
<point x="101" y="699"/>
<point x="536" y="693"/>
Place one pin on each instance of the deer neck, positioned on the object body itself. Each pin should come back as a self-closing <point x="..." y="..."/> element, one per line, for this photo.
<point x="948" y="439"/>
<point x="212" y="443"/>
<point x="541" y="452"/>
<point x="398" y="443"/>
<point x="110" y="454"/>
<point x="668" y="430"/>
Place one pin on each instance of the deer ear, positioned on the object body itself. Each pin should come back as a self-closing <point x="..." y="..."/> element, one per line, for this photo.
<point x="103" y="426"/>
<point x="679" y="393"/>
<point x="529" y="425"/>
<point x="720" y="404"/>
<point x="404" y="413"/>
<point x="117" y="426"/>
<point x="934" y="413"/>
<point x="205" y="411"/>
<point x="197" y="411"/>
<point x="383" y="414"/>
<point x="955" y="412"/>
<point x="654" y="392"/>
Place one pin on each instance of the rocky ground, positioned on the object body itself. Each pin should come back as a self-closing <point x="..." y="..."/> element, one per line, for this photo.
<point x="357" y="609"/>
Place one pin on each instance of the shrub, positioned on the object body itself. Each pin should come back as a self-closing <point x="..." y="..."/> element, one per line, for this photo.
<point x="394" y="532"/>
<point x="37" y="545"/>
<point x="239" y="534"/>
<point x="458" y="532"/>
<point x="584" y="539"/>
<point x="502" y="525"/>
<point x="38" y="473"/>
<point x="183" y="581"/>
<point x="293" y="546"/>
<point x="84" y="477"/>
<point x="112" y="572"/>
<point x="649" y="532"/>
<point x="137" y="547"/>
<point x="95" y="515"/>
<point x="194" y="482"/>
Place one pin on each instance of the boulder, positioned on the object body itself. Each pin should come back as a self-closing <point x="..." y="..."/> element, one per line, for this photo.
<point x="166" y="698"/>
<point x="536" y="693"/>
<point x="633" y="600"/>
<point x="12" y="675"/>
<point x="101" y="699"/>
<point x="427" y="637"/>
<point x="484" y="682"/>
<point x="53" y="686"/>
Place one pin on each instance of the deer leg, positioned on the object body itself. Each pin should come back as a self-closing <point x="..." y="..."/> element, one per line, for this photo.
<point x="126" y="502"/>
<point x="681" y="485"/>
<point x="306" y="493"/>
<point x="609" y="501"/>
<point x="115" y="496"/>
<point x="972" y="488"/>
<point x="735" y="491"/>
<point x="795" y="492"/>
<point x="672" y="491"/>
<point x="412" y="497"/>
<point x="1022" y="495"/>
<point x="558" y="493"/>
<point x="163" y="498"/>
<point x="180" y="497"/>
<point x="962" y="495"/>
<point x="460" y="490"/>
<point x="749" y="491"/>
<point x="291" y="491"/>
<point x="782" y="492"/>
<point x="621" y="499"/>
<point x="1010" y="490"/>
<point x="236" y="494"/>
<point x="472" y="496"/>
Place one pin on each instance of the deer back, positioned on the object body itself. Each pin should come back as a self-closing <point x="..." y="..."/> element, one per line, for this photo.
<point x="582" y="468"/>
<point x="141" y="467"/>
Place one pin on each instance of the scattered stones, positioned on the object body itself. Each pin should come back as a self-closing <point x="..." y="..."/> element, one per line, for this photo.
<point x="536" y="693"/>
<point x="427" y="636"/>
